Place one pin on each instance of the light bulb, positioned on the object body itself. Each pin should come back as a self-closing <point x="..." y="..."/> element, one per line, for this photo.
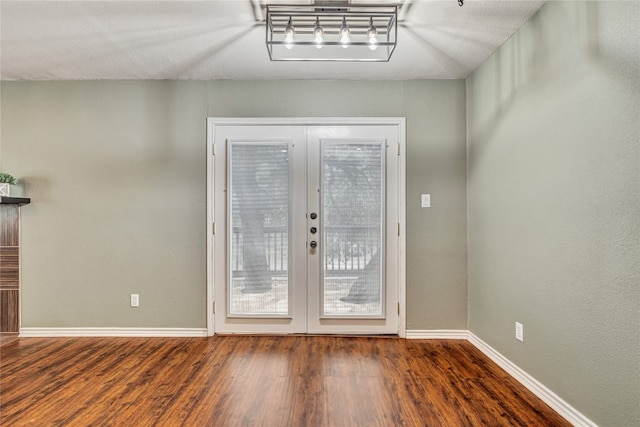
<point x="289" y="31"/>
<point x="288" y="42"/>
<point x="373" y="43"/>
<point x="372" y="33"/>
<point x="344" y="34"/>
<point x="318" y="33"/>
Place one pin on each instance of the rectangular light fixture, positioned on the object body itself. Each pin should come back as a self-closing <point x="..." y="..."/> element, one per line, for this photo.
<point x="348" y="33"/>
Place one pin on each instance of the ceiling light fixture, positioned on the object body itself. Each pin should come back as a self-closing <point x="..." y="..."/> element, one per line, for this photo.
<point x="372" y="34"/>
<point x="289" y="32"/>
<point x="331" y="32"/>
<point x="344" y="33"/>
<point x="318" y="34"/>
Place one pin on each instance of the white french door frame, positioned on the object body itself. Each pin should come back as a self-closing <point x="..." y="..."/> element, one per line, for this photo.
<point x="398" y="122"/>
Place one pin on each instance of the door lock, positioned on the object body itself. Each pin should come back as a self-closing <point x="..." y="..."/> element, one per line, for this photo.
<point x="313" y="215"/>
<point x="313" y="244"/>
<point x="313" y="230"/>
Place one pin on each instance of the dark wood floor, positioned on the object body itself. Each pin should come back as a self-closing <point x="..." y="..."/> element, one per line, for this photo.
<point x="259" y="381"/>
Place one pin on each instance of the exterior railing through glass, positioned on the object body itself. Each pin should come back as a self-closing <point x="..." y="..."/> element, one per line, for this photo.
<point x="348" y="248"/>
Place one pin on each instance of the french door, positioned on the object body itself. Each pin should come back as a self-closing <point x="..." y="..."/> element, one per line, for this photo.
<point x="305" y="236"/>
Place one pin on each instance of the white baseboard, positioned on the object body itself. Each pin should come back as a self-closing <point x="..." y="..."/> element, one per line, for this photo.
<point x="112" y="332"/>
<point x="437" y="334"/>
<point x="536" y="387"/>
<point x="570" y="413"/>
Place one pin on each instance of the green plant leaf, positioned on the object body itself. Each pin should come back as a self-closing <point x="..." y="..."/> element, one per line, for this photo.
<point x="6" y="178"/>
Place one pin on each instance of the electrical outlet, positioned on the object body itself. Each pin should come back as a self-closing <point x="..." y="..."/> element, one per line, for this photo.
<point x="425" y="200"/>
<point x="135" y="300"/>
<point x="519" y="331"/>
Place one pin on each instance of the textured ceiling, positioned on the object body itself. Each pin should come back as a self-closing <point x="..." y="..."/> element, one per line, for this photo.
<point x="224" y="39"/>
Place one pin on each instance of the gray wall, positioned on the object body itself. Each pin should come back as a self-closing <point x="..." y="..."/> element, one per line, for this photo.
<point x="554" y="204"/>
<point x="117" y="175"/>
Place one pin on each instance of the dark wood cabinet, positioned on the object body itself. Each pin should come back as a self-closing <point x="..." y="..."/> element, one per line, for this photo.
<point x="10" y="267"/>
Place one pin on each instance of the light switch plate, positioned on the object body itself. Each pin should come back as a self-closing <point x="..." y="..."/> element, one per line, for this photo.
<point x="425" y="201"/>
<point x="519" y="331"/>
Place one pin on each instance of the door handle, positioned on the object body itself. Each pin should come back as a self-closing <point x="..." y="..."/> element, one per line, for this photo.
<point x="313" y="244"/>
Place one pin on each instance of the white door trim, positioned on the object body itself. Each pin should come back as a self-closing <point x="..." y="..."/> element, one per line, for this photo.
<point x="400" y="122"/>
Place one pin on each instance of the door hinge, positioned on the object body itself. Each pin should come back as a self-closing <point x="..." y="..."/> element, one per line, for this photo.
<point x="213" y="228"/>
<point x="398" y="149"/>
<point x="398" y="309"/>
<point x="213" y="149"/>
<point x="398" y="229"/>
<point x="214" y="307"/>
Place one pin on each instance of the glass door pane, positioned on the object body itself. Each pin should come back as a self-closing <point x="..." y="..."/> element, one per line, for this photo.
<point x="259" y="199"/>
<point x="352" y="203"/>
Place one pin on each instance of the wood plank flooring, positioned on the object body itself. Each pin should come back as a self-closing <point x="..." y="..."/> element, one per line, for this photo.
<point x="259" y="381"/>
